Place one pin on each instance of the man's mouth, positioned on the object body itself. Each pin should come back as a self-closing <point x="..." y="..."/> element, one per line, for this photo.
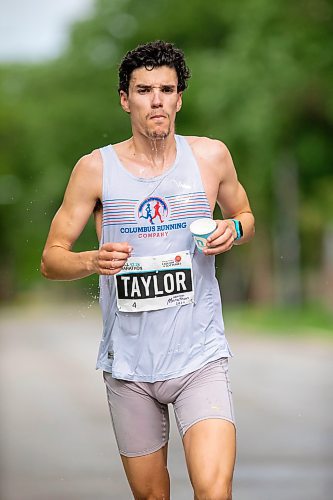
<point x="157" y="117"/>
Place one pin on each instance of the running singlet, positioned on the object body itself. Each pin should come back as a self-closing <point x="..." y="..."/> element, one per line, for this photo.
<point x="162" y="315"/>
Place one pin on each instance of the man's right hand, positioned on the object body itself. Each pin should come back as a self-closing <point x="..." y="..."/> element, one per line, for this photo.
<point x="111" y="258"/>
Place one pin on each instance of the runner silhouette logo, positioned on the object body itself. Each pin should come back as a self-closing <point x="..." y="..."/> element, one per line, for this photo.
<point x="153" y="210"/>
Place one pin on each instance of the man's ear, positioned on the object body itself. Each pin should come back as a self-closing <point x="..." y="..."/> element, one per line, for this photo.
<point x="124" y="101"/>
<point x="179" y="102"/>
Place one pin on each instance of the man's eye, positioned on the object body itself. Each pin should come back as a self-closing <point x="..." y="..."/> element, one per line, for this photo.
<point x="168" y="90"/>
<point x="143" y="91"/>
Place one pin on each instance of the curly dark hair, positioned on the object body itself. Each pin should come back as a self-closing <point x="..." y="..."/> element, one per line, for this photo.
<point x="153" y="55"/>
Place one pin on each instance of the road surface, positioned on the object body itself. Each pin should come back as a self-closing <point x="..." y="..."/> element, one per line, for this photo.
<point x="56" y="436"/>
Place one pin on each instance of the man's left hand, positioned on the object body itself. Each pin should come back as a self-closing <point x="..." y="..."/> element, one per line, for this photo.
<point x="222" y="239"/>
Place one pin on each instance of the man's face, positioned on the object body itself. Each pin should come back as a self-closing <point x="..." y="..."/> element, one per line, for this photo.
<point x="152" y="101"/>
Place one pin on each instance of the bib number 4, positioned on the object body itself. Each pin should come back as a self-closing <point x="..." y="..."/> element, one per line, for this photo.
<point x="169" y="284"/>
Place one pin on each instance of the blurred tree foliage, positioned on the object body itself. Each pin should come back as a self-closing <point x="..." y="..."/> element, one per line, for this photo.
<point x="262" y="80"/>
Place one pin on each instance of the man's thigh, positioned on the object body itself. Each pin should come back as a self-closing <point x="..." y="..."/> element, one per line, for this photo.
<point x="141" y="426"/>
<point x="205" y="418"/>
<point x="140" y="422"/>
<point x="210" y="450"/>
<point x="204" y="394"/>
<point x="148" y="475"/>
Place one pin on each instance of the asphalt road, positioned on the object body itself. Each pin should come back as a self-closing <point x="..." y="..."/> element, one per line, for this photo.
<point x="56" y="436"/>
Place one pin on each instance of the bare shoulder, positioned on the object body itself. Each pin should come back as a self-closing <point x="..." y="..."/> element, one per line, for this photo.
<point x="211" y="150"/>
<point x="90" y="164"/>
<point x="213" y="158"/>
<point x="87" y="175"/>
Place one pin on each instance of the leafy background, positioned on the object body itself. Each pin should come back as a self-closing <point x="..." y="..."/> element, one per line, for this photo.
<point x="261" y="82"/>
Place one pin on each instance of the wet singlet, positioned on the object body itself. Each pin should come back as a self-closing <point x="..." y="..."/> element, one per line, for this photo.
<point x="162" y="315"/>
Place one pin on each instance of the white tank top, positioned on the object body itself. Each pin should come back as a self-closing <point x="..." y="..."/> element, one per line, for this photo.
<point x="153" y="215"/>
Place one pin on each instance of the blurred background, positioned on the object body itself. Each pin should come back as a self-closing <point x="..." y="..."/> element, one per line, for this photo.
<point x="261" y="81"/>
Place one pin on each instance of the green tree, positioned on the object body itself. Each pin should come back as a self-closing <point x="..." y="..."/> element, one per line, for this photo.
<point x="261" y="82"/>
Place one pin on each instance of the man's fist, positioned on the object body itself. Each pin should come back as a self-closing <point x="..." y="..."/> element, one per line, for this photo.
<point x="111" y="258"/>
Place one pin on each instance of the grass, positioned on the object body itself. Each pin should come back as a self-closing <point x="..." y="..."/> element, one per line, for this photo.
<point x="309" y="319"/>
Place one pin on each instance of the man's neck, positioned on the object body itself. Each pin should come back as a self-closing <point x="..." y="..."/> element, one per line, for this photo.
<point x="157" y="153"/>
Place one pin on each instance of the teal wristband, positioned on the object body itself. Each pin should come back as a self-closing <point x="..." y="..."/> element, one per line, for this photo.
<point x="238" y="227"/>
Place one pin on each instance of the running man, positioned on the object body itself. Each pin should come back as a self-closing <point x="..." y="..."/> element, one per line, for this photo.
<point x="157" y="207"/>
<point x="148" y="214"/>
<point x="170" y="346"/>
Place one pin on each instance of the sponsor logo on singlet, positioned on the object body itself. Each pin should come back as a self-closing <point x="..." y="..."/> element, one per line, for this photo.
<point x="153" y="210"/>
<point x="155" y="216"/>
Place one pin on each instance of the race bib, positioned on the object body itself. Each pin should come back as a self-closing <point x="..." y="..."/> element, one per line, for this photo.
<point x="150" y="283"/>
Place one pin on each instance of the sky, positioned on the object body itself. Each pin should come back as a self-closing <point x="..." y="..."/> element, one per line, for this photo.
<point x="35" y="30"/>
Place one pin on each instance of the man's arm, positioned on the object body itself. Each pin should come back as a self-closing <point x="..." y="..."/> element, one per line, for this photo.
<point x="59" y="262"/>
<point x="224" y="187"/>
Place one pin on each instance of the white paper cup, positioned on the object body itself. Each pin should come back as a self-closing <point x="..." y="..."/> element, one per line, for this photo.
<point x="201" y="229"/>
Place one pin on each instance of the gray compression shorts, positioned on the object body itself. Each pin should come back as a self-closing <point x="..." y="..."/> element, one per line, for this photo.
<point x="139" y="410"/>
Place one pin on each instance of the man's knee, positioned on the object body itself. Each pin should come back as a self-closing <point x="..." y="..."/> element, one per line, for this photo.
<point x="158" y="495"/>
<point x="151" y="492"/>
<point x="214" y="491"/>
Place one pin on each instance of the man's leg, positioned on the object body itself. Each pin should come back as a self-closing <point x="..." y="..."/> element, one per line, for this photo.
<point x="204" y="414"/>
<point x="141" y="426"/>
<point x="148" y="475"/>
<point x="210" y="450"/>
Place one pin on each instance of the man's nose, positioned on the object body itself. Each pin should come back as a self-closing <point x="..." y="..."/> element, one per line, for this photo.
<point x="156" y="99"/>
